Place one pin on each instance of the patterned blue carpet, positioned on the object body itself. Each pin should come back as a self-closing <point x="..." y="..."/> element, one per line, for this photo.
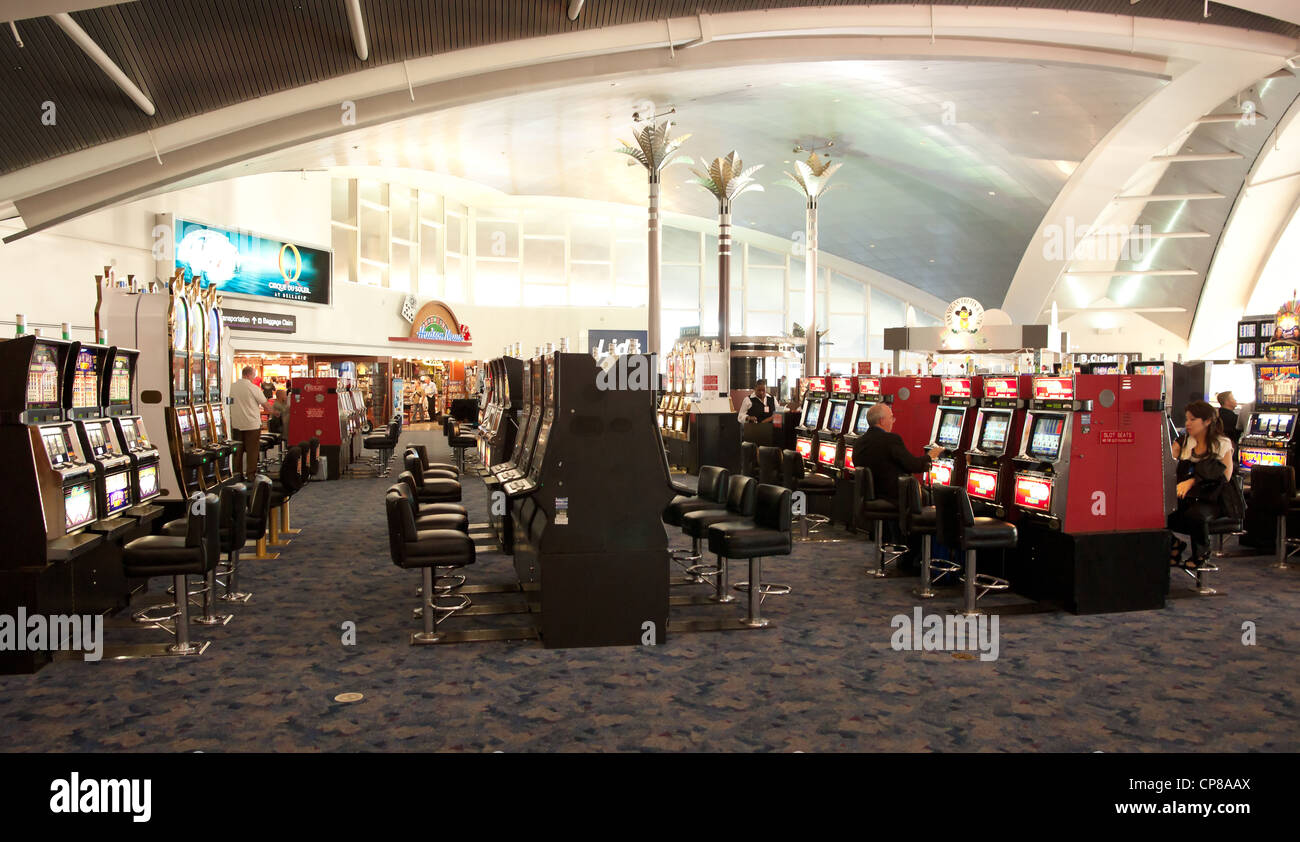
<point x="824" y="679"/>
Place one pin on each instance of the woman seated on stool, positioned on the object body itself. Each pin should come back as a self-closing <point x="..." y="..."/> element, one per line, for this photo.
<point x="1204" y="457"/>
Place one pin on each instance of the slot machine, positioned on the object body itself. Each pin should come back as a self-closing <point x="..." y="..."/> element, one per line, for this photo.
<point x="999" y="423"/>
<point x="954" y="425"/>
<point x="1269" y="437"/>
<point x="1042" y="479"/>
<point x="528" y="482"/>
<point x="868" y="395"/>
<point x="830" y="439"/>
<point x="48" y="497"/>
<point x="509" y="373"/>
<point x="132" y="436"/>
<point x="222" y="443"/>
<point x="811" y="419"/>
<point x="914" y="400"/>
<point x="113" y="487"/>
<point x="518" y="468"/>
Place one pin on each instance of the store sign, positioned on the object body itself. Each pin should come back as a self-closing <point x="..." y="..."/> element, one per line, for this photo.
<point x="436" y="323"/>
<point x="258" y="321"/>
<point x="601" y="343"/>
<point x="245" y="264"/>
<point x="965" y="315"/>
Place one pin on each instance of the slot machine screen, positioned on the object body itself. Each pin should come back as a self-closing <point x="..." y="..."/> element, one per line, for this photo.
<point x="836" y="423"/>
<point x="1252" y="457"/>
<point x="1045" y="437"/>
<point x="949" y="434"/>
<point x="201" y="419"/>
<point x="219" y="418"/>
<point x="119" y="383"/>
<point x="826" y="452"/>
<point x="982" y="483"/>
<point x="128" y="432"/>
<point x="78" y="506"/>
<point x="184" y="422"/>
<point x="56" y="446"/>
<point x="43" y="378"/>
<point x="117" y="491"/>
<point x="860" y="425"/>
<point x="812" y="410"/>
<point x="940" y="473"/>
<point x="803" y="447"/>
<point x="1276" y="424"/>
<point x="148" y="482"/>
<point x="85" y="381"/>
<point x="993" y="436"/>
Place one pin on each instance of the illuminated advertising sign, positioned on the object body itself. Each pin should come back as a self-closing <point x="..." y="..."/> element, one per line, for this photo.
<point x="843" y="385"/>
<point x="1053" y="388"/>
<point x="868" y="385"/>
<point x="982" y="483"/>
<point x="240" y="263"/>
<point x="1000" y="387"/>
<point x="814" y="384"/>
<point x="1034" y="493"/>
<point x="1251" y="458"/>
<point x="826" y="453"/>
<point x="956" y="388"/>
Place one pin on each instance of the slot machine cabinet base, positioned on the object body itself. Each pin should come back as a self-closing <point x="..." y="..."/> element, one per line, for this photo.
<point x="1096" y="573"/>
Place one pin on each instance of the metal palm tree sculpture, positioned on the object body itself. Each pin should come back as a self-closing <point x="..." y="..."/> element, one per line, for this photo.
<point x="810" y="178"/>
<point x="655" y="151"/>
<point x="726" y="179"/>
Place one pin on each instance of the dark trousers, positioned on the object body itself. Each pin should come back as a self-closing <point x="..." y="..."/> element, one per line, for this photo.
<point x="251" y="441"/>
<point x="1193" y="520"/>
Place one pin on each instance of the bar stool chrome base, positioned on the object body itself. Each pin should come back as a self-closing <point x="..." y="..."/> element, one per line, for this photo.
<point x="690" y="560"/>
<point x="924" y="589"/>
<point x="1198" y="576"/>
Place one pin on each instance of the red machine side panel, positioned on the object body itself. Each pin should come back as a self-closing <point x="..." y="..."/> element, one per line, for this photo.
<point x="315" y="410"/>
<point x="1140" y="447"/>
<point x="913" y="408"/>
<point x="1094" y="466"/>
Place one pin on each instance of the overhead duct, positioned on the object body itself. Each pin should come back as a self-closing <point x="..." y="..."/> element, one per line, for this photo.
<point x="358" y="29"/>
<point x="106" y="64"/>
<point x="575" y="6"/>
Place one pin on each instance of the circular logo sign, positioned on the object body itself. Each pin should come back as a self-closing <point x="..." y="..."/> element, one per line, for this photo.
<point x="965" y="315"/>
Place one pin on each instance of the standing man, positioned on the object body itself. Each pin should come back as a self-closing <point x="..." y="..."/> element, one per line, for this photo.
<point x="431" y="395"/>
<point x="759" y="406"/>
<point x="246" y="402"/>
<point x="1228" y="417"/>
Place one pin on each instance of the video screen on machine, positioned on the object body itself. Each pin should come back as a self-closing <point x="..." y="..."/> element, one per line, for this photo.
<point x="119" y="383"/>
<point x="117" y="491"/>
<point x="95" y="435"/>
<point x="1045" y="437"/>
<point x="43" y="378"/>
<point x="838" y="409"/>
<point x="185" y="422"/>
<point x="78" y="506"/>
<point x="949" y="434"/>
<point x="148" y="482"/>
<point x="860" y="424"/>
<point x="1274" y="424"/>
<point x="993" y="436"/>
<point x="812" y="410"/>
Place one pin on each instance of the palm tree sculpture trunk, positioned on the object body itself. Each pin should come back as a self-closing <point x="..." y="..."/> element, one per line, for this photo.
<point x="726" y="179"/>
<point x="654" y="151"/>
<point x="810" y="178"/>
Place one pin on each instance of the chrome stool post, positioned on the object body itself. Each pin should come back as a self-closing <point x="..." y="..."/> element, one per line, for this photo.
<point x="977" y="581"/>
<point x="924" y="590"/>
<point x="1281" y="544"/>
<point x="431" y="616"/>
<point x="886" y="554"/>
<point x="207" y="618"/>
<point x="231" y="583"/>
<point x="1198" y="576"/>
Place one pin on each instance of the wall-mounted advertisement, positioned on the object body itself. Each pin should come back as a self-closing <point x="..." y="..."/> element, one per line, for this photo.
<point x="241" y="263"/>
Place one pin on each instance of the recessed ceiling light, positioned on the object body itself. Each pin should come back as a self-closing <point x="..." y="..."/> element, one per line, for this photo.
<point x="873" y="245"/>
<point x="932" y="260"/>
<point x="1035" y="113"/>
<point x="991" y="193"/>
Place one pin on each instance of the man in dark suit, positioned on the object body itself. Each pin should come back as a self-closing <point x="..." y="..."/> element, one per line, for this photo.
<point x="883" y="452"/>
<point x="1228" y="417"/>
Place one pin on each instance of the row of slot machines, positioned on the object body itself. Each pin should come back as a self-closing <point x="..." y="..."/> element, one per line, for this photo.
<point x="674" y="415"/>
<point x="180" y="381"/>
<point x="584" y="486"/>
<point x="502" y="400"/>
<point x="1079" y="454"/>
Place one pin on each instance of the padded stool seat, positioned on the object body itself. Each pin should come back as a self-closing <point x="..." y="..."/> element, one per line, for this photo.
<point x="959" y="529"/>
<point x="447" y="547"/>
<point x="427" y="549"/>
<point x="682" y="506"/>
<point x="696" y="524"/>
<point x="876" y="510"/>
<point x="460" y="523"/>
<point x="439" y="491"/>
<point x="740" y="539"/>
<point x="711" y="493"/>
<point x="816" y="481"/>
<point x="989" y="533"/>
<point x="767" y="535"/>
<point x="162" y="555"/>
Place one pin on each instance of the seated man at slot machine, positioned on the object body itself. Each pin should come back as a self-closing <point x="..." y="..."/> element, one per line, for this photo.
<point x="1204" y="457"/>
<point x="883" y="452"/>
<point x="246" y="404"/>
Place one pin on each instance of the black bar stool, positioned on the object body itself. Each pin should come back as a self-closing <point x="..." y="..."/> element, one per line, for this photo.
<point x="428" y="550"/>
<point x="710" y="493"/>
<point x="741" y="491"/>
<point x="914" y="518"/>
<point x="1272" y="494"/>
<point x="875" y="510"/>
<point x="768" y="535"/>
<point x="958" y="528"/>
<point x="384" y="443"/>
<point x="749" y="459"/>
<point x="769" y="465"/>
<point x="431" y="489"/>
<point x="193" y="554"/>
<point x="795" y="478"/>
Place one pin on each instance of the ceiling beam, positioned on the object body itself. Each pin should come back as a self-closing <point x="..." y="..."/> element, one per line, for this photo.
<point x="575" y="6"/>
<point x="27" y="9"/>
<point x="106" y="64"/>
<point x="358" y="27"/>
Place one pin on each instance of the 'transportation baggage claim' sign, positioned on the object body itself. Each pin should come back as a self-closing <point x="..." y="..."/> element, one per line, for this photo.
<point x="264" y="322"/>
<point x="243" y="263"/>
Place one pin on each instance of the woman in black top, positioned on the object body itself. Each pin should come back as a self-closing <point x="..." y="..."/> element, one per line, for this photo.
<point x="1204" y="457"/>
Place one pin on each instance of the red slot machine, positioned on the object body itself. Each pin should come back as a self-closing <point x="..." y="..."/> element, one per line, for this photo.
<point x="830" y="439"/>
<point x="869" y="394"/>
<point x="314" y="413"/>
<point x="914" y="400"/>
<point x="997" y="430"/>
<point x="954" y="422"/>
<point x="1090" y="483"/>
<point x="810" y="419"/>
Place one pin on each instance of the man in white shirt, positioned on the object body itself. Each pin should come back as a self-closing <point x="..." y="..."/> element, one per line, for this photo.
<point x="758" y="407"/>
<point x="246" y="402"/>
<point x="431" y="396"/>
